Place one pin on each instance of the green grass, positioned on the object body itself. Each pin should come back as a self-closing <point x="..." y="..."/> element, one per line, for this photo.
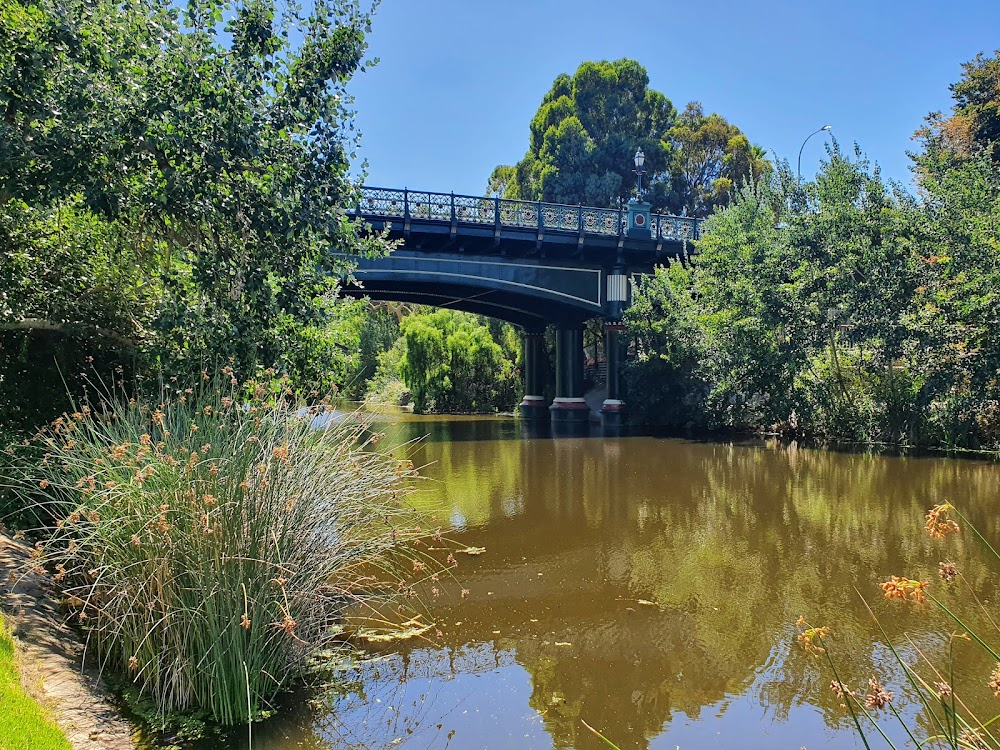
<point x="23" y="723"/>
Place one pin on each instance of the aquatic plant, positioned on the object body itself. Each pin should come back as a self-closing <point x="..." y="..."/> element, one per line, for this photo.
<point x="953" y="721"/>
<point x="209" y="540"/>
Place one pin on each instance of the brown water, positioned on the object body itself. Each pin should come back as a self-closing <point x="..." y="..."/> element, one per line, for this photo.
<point x="650" y="587"/>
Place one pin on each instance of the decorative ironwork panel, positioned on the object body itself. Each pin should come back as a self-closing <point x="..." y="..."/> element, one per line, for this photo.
<point x="555" y="216"/>
<point x="601" y="221"/>
<point x="473" y="210"/>
<point x="677" y="228"/>
<point x="430" y="205"/>
<point x="382" y="202"/>
<point x="518" y="213"/>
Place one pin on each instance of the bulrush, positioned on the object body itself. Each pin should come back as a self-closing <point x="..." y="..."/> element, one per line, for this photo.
<point x="948" y="571"/>
<point x="811" y="639"/>
<point x="878" y="697"/>
<point x="994" y="681"/>
<point x="244" y="513"/>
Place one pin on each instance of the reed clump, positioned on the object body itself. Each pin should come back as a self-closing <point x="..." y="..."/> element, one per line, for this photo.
<point x="210" y="539"/>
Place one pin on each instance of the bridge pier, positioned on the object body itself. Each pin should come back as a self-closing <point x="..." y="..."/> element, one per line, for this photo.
<point x="533" y="406"/>
<point x="613" y="409"/>
<point x="569" y="406"/>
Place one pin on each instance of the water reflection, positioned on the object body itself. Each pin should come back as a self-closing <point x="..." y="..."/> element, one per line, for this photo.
<point x="650" y="587"/>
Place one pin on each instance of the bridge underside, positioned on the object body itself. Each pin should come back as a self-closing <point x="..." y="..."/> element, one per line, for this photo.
<point x="467" y="299"/>
<point x="531" y="264"/>
<point x="530" y="295"/>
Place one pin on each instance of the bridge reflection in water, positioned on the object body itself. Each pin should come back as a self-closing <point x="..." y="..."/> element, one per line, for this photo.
<point x="531" y="264"/>
<point x="650" y="587"/>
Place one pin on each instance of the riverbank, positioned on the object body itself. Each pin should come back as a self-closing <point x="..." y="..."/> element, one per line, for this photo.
<point x="49" y="656"/>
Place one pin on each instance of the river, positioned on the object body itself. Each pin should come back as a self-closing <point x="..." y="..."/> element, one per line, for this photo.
<point x="650" y="587"/>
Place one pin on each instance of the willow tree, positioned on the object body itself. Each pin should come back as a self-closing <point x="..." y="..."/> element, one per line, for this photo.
<point x="588" y="127"/>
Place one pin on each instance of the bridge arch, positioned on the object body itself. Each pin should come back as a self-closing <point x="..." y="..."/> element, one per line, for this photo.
<point x="528" y="263"/>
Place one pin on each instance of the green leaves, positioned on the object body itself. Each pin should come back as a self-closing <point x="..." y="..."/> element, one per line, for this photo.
<point x="204" y="169"/>
<point x="452" y="362"/>
<point x="588" y="127"/>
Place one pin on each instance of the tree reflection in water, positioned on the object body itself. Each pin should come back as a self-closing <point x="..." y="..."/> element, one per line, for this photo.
<point x="651" y="587"/>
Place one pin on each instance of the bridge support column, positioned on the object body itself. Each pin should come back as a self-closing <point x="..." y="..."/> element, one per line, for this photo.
<point x="569" y="406"/>
<point x="613" y="410"/>
<point x="533" y="354"/>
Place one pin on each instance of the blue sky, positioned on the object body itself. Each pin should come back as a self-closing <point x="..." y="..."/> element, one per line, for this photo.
<point x="459" y="81"/>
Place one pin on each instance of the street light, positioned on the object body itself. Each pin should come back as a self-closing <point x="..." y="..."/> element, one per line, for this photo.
<point x="640" y="159"/>
<point x="798" y="170"/>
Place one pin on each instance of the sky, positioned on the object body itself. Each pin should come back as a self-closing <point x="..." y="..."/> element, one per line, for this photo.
<point x="458" y="81"/>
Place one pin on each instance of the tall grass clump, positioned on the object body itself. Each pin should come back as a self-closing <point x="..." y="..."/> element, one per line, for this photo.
<point x="958" y="714"/>
<point x="210" y="540"/>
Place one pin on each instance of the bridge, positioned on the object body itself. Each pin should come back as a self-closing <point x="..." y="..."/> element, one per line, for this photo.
<point x="530" y="263"/>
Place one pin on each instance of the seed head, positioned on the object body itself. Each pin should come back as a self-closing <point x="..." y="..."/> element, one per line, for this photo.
<point x="811" y="639"/>
<point x="994" y="681"/>
<point x="905" y="588"/>
<point x="939" y="525"/>
<point x="948" y="571"/>
<point x="878" y="697"/>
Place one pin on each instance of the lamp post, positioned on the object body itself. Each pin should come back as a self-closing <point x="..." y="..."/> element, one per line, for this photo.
<point x="798" y="170"/>
<point x="640" y="159"/>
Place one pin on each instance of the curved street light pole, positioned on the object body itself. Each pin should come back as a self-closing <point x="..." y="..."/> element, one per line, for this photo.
<point x="798" y="170"/>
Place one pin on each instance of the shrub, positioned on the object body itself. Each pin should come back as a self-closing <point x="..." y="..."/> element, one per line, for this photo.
<point x="210" y="540"/>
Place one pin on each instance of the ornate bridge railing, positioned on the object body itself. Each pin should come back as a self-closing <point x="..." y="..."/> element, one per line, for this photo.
<point x="501" y="212"/>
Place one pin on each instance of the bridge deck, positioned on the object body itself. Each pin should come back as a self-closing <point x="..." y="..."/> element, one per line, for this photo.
<point x="527" y="221"/>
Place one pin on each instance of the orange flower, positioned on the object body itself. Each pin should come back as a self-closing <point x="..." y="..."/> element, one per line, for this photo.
<point x="905" y="588"/>
<point x="811" y="639"/>
<point x="938" y="524"/>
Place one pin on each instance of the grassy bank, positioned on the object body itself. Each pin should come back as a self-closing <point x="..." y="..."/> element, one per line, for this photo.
<point x="24" y="725"/>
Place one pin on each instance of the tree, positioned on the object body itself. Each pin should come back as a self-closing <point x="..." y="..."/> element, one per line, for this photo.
<point x="974" y="124"/>
<point x="710" y="158"/>
<point x="452" y="362"/>
<point x="206" y="149"/>
<point x="794" y="314"/>
<point x="588" y="127"/>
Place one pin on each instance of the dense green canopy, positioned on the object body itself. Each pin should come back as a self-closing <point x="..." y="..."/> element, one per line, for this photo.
<point x="589" y="126"/>
<point x="171" y="183"/>
<point x="842" y="308"/>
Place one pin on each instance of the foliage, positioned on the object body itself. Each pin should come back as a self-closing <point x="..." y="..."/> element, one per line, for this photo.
<point x="839" y="308"/>
<point x="378" y="334"/>
<point x="210" y="540"/>
<point x="452" y="362"/>
<point x="974" y="124"/>
<point x="23" y="723"/>
<point x="588" y="127"/>
<point x="172" y="181"/>
<point x="386" y="385"/>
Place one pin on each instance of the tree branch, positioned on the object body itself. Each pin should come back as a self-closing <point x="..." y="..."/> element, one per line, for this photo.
<point x="69" y="329"/>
